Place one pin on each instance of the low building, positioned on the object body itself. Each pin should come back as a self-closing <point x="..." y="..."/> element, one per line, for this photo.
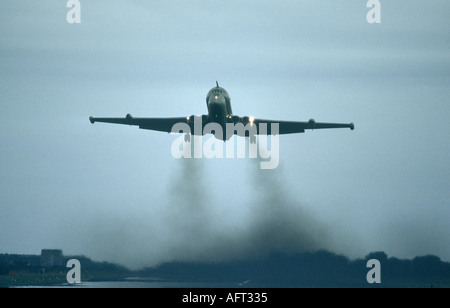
<point x="52" y="257"/>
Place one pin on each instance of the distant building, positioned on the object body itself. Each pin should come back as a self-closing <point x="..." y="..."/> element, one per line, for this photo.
<point x="51" y="257"/>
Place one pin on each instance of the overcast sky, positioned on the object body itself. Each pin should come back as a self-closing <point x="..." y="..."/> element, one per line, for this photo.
<point x="115" y="193"/>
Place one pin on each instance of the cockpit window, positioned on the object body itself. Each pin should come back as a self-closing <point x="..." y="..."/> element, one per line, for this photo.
<point x="217" y="91"/>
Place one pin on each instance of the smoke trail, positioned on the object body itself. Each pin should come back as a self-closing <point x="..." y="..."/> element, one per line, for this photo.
<point x="272" y="220"/>
<point x="278" y="222"/>
<point x="210" y="213"/>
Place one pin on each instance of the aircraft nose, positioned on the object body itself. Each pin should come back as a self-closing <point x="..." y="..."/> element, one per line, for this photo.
<point x="217" y="99"/>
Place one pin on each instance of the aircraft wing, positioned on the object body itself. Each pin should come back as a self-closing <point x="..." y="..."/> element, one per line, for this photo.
<point x="158" y="124"/>
<point x="166" y="124"/>
<point x="291" y="127"/>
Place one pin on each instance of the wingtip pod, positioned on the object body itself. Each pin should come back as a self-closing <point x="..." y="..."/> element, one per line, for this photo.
<point x="91" y="119"/>
<point x="352" y="126"/>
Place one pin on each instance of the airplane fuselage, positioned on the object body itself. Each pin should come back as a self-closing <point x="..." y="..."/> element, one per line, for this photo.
<point x="219" y="105"/>
<point x="219" y="111"/>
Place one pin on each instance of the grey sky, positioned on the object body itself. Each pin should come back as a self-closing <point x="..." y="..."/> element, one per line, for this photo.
<point x="115" y="193"/>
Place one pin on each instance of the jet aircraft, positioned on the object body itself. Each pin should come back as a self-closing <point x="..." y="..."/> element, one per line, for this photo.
<point x="220" y="113"/>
